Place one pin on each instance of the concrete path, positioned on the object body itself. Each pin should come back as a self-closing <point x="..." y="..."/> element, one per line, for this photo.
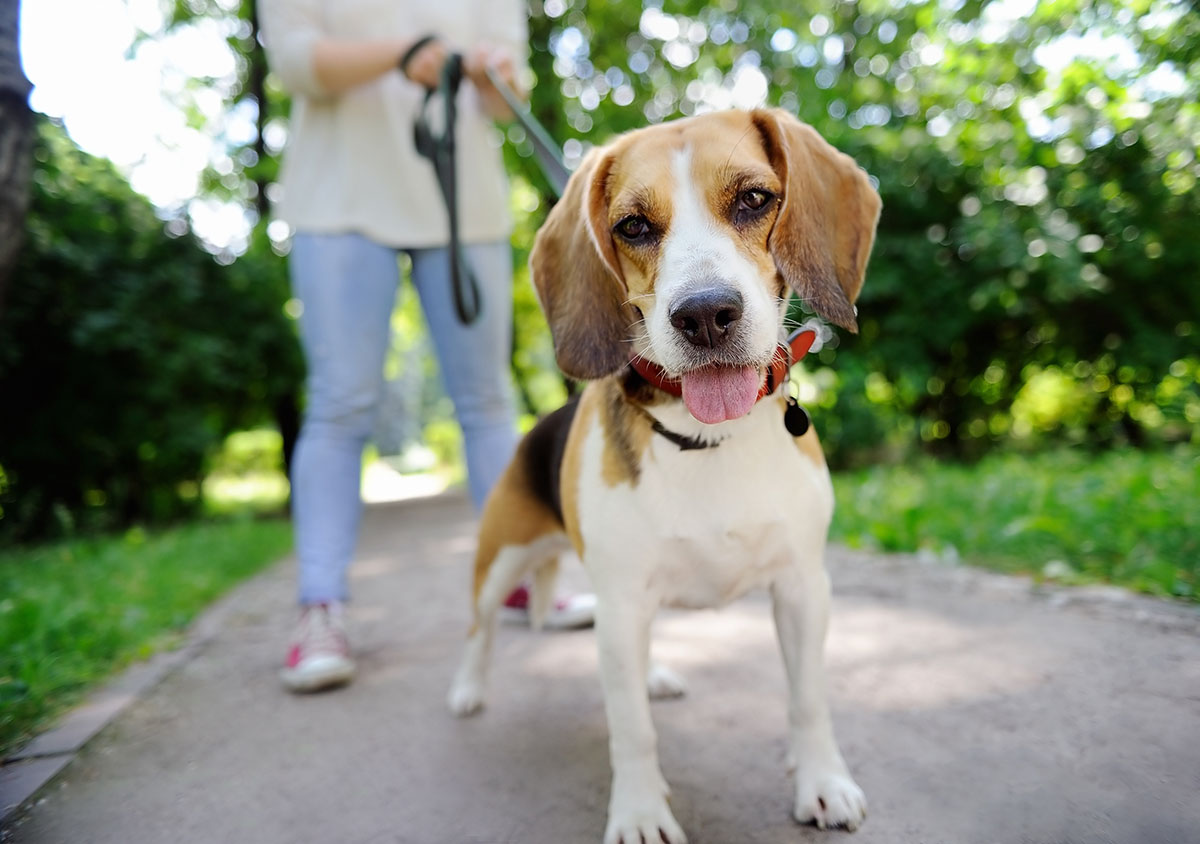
<point x="970" y="708"/>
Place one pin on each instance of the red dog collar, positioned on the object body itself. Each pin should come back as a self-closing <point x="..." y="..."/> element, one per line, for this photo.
<point x="785" y="355"/>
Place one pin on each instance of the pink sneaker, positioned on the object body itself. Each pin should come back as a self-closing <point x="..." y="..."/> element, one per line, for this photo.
<point x="571" y="613"/>
<point x="319" y="657"/>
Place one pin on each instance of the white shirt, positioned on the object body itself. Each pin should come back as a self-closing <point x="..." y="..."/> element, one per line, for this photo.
<point x="350" y="164"/>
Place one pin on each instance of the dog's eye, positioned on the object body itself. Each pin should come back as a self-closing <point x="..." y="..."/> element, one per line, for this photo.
<point x="633" y="228"/>
<point x="751" y="205"/>
<point x="754" y="199"/>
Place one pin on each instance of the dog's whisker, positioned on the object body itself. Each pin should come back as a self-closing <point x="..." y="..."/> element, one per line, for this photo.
<point x="736" y="145"/>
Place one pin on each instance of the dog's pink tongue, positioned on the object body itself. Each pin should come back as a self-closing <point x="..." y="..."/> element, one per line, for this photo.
<point x="721" y="393"/>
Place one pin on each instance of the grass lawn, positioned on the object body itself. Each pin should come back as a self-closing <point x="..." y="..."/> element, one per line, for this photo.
<point x="73" y="612"/>
<point x="1125" y="517"/>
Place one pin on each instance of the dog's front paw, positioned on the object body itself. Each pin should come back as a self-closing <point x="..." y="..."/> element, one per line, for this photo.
<point x="638" y="810"/>
<point x="830" y="800"/>
<point x="648" y="819"/>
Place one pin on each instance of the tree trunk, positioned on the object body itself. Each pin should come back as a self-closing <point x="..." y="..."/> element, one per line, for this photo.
<point x="286" y="409"/>
<point x="256" y="81"/>
<point x="16" y="143"/>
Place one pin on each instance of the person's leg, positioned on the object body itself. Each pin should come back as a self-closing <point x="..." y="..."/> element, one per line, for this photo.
<point x="475" y="369"/>
<point x="474" y="358"/>
<point x="347" y="285"/>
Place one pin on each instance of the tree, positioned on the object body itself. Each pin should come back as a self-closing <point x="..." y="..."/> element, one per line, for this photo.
<point x="1032" y="278"/>
<point x="246" y="169"/>
<point x="127" y="353"/>
<point x="16" y="136"/>
<point x="1034" y="272"/>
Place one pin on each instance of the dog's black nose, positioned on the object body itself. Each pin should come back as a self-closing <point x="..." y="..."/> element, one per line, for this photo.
<point x="708" y="318"/>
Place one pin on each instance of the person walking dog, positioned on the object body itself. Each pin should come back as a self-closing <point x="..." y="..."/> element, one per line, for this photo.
<point x="356" y="193"/>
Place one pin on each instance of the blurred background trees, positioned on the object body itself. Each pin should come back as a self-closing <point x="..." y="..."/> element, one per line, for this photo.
<point x="1033" y="278"/>
<point x="127" y="355"/>
<point x="1033" y="283"/>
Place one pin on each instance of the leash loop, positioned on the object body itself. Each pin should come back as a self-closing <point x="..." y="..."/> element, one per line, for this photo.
<point x="440" y="150"/>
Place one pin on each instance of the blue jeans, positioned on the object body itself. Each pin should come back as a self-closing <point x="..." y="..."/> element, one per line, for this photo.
<point x="347" y="284"/>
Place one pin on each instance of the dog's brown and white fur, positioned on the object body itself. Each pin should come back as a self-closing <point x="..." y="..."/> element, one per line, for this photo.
<point x="751" y="205"/>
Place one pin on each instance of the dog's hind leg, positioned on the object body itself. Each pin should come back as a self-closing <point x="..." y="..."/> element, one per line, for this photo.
<point x="518" y="533"/>
<point x="510" y="564"/>
<point x="541" y="592"/>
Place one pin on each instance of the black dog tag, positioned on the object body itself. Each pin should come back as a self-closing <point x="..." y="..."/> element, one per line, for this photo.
<point x="795" y="418"/>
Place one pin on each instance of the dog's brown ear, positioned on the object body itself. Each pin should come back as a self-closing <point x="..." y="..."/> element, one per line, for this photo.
<point x="578" y="279"/>
<point x="823" y="235"/>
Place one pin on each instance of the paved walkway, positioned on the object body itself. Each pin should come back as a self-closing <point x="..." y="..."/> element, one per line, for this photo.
<point x="970" y="709"/>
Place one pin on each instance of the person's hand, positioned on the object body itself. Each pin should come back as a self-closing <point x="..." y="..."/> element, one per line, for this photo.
<point x="501" y="61"/>
<point x="485" y="56"/>
<point x="425" y="68"/>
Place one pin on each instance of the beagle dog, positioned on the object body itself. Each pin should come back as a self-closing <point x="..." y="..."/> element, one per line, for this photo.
<point x="677" y="476"/>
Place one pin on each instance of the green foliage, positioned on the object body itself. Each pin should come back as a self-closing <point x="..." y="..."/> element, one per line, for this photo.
<point x="1033" y="279"/>
<point x="129" y="351"/>
<point x="1038" y="216"/>
<point x="247" y="476"/>
<point x="1126" y="517"/>
<point x="535" y="372"/>
<point x="72" y="613"/>
<point x="245" y="165"/>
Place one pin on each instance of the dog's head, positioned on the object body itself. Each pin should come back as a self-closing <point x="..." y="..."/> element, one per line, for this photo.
<point x="679" y="243"/>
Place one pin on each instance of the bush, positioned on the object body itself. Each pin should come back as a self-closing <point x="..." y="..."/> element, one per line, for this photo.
<point x="1038" y="197"/>
<point x="127" y="353"/>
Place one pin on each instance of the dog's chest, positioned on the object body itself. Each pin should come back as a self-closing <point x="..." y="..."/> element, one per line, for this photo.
<point x="704" y="526"/>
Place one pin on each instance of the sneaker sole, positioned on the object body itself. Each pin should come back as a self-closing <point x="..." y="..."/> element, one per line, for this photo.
<point x="511" y="615"/>
<point x="569" y="619"/>
<point x="576" y="619"/>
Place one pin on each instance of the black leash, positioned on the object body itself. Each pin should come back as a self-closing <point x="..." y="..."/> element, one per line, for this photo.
<point x="440" y="150"/>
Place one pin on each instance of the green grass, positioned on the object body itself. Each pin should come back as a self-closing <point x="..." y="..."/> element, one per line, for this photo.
<point x="1126" y="517"/>
<point x="71" y="613"/>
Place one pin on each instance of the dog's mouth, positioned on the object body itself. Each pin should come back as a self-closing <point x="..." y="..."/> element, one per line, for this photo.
<point x="719" y="393"/>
